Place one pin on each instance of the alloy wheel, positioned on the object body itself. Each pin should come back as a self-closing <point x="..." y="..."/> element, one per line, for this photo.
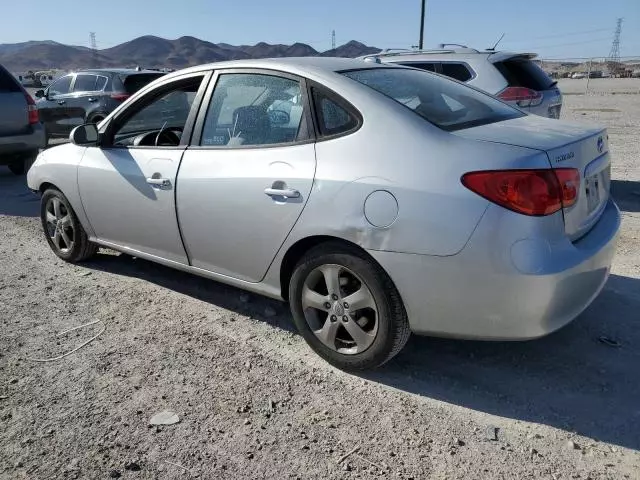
<point x="59" y="225"/>
<point x="340" y="309"/>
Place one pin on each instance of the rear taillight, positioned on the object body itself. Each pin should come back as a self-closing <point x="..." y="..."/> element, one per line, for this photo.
<point x="32" y="110"/>
<point x="530" y="192"/>
<point x="121" y="97"/>
<point x="524" y="97"/>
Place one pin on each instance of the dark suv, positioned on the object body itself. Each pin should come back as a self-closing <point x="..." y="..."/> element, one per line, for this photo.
<point x="87" y="96"/>
<point x="21" y="133"/>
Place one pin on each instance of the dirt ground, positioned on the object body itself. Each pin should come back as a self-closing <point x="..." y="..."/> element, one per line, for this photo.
<point x="255" y="402"/>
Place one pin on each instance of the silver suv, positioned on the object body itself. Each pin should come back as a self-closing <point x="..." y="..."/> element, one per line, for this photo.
<point x="512" y="77"/>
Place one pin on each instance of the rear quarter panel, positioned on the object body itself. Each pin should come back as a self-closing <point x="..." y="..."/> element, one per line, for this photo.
<point x="419" y="164"/>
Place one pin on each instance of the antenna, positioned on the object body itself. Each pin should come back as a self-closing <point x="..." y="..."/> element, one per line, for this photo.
<point x="613" y="62"/>
<point x="94" y="49"/>
<point x="493" y="49"/>
<point x="333" y="39"/>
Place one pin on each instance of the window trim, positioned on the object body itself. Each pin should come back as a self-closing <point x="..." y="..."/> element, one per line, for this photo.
<point x="198" y="128"/>
<point x="154" y="92"/>
<point x="341" y="102"/>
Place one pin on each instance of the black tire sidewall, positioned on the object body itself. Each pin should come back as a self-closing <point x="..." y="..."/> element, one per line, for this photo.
<point x="373" y="276"/>
<point x="73" y="254"/>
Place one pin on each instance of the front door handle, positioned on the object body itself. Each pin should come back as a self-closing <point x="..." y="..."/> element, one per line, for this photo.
<point x="159" y="182"/>
<point x="61" y="102"/>
<point x="282" y="192"/>
<point x="92" y="99"/>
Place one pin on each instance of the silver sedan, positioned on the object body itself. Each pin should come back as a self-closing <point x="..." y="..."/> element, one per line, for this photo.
<point x="377" y="200"/>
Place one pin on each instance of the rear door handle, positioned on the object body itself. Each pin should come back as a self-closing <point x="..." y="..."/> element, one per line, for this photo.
<point x="92" y="99"/>
<point x="159" y="182"/>
<point x="61" y="102"/>
<point x="282" y="192"/>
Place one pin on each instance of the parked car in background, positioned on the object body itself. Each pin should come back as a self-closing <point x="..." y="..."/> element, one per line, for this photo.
<point x="578" y="75"/>
<point x="512" y="77"/>
<point x="21" y="133"/>
<point x="87" y="96"/>
<point x="376" y="199"/>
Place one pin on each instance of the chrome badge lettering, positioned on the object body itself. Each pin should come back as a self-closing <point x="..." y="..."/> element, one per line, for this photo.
<point x="564" y="157"/>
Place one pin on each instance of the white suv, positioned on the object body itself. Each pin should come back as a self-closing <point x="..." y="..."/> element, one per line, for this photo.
<point x="512" y="77"/>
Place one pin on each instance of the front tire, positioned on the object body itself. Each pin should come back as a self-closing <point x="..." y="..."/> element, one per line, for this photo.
<point x="347" y="308"/>
<point x="64" y="232"/>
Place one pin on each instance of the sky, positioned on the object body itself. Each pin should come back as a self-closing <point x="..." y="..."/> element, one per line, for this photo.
<point x="552" y="28"/>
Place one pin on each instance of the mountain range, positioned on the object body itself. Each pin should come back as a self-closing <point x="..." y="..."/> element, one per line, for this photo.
<point x="155" y="52"/>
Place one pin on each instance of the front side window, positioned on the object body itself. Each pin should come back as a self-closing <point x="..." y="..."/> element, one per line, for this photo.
<point x="85" y="83"/>
<point x="447" y="104"/>
<point x="158" y="119"/>
<point x="254" y="109"/>
<point x="60" y="87"/>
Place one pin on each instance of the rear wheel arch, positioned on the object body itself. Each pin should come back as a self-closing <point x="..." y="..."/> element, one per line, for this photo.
<point x="301" y="247"/>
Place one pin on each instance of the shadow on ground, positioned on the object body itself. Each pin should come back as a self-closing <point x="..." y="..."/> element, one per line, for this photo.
<point x="569" y="380"/>
<point x="15" y="198"/>
<point x="626" y="194"/>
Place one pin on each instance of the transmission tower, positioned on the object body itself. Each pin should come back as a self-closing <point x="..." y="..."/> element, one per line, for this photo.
<point x="94" y="49"/>
<point x="613" y="61"/>
<point x="333" y="39"/>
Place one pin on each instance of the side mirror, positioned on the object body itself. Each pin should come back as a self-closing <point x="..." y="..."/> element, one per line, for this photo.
<point x="84" y="135"/>
<point x="39" y="93"/>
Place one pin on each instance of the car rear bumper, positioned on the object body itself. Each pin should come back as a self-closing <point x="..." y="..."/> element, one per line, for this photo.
<point x="459" y="296"/>
<point x="16" y="145"/>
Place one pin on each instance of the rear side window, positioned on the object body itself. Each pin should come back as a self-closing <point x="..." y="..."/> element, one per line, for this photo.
<point x="428" y="66"/>
<point x="133" y="83"/>
<point x="101" y="82"/>
<point x="459" y="71"/>
<point x="522" y="72"/>
<point x="447" y="104"/>
<point x="85" y="83"/>
<point x="7" y="83"/>
<point x="333" y="115"/>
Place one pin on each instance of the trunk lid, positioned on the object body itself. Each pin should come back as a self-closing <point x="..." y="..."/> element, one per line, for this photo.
<point x="567" y="145"/>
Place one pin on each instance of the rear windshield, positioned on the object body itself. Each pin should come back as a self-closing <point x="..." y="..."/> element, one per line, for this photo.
<point x="7" y="83"/>
<point x="443" y="102"/>
<point x="522" y="72"/>
<point x="133" y="83"/>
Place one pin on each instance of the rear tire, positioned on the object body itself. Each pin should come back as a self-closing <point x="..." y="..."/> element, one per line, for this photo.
<point x="360" y="336"/>
<point x="17" y="167"/>
<point x="63" y="231"/>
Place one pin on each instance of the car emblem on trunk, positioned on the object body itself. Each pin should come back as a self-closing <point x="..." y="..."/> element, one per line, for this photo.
<point x="600" y="144"/>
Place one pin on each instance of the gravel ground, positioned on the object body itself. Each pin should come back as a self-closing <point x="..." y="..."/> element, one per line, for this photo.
<point x="255" y="402"/>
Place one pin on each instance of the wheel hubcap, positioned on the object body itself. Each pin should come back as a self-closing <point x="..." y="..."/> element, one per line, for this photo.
<point x="340" y="309"/>
<point x="59" y="225"/>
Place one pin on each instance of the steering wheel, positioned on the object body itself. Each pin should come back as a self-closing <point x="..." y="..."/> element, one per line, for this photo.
<point x="155" y="138"/>
<point x="167" y="138"/>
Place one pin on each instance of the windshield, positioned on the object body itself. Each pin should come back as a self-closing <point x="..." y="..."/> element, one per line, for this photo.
<point x="443" y="102"/>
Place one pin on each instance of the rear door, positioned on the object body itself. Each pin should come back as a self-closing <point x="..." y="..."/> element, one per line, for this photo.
<point x="84" y="98"/>
<point x="245" y="181"/>
<point x="14" y="118"/>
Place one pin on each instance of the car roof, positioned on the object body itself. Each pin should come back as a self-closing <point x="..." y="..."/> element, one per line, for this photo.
<point x="302" y="66"/>
<point x="117" y="71"/>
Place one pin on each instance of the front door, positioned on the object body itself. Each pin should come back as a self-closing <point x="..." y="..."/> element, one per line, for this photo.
<point x="128" y="184"/>
<point x="244" y="184"/>
<point x="53" y="108"/>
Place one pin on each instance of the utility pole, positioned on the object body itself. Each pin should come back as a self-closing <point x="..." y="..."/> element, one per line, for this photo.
<point x="333" y="39"/>
<point x="94" y="49"/>
<point x="422" y="12"/>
